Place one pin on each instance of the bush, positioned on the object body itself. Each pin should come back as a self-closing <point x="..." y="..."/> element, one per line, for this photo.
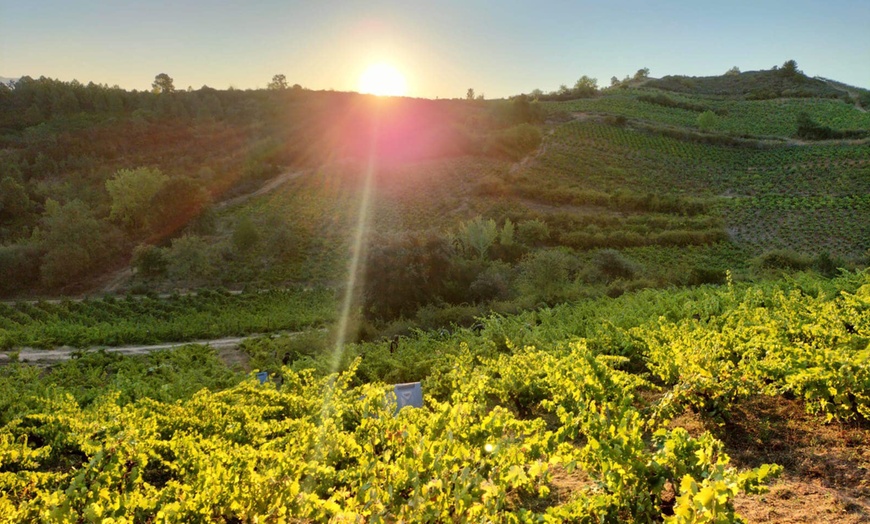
<point x="707" y="120"/>
<point x="826" y="265"/>
<point x="493" y="283"/>
<point x="533" y="233"/>
<point x="617" y="120"/>
<point x="245" y="236"/>
<point x="515" y="142"/>
<point x="547" y="275"/>
<point x="611" y="265"/>
<point x="704" y="275"/>
<point x="19" y="266"/>
<point x="149" y="261"/>
<point x="189" y="259"/>
<point x="784" y="259"/>
<point x="436" y="317"/>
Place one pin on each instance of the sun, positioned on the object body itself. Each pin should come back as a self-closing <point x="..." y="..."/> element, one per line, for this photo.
<point x="382" y="80"/>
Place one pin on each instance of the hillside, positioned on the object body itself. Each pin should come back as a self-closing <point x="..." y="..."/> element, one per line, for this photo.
<point x="631" y="188"/>
<point x="780" y="82"/>
<point x="645" y="303"/>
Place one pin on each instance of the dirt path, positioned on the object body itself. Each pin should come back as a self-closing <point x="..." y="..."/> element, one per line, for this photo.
<point x="161" y="296"/>
<point x="270" y="186"/>
<point x="52" y="356"/>
<point x="532" y="156"/>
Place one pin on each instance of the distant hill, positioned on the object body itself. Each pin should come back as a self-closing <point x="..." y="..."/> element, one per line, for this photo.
<point x="752" y="85"/>
<point x="7" y="80"/>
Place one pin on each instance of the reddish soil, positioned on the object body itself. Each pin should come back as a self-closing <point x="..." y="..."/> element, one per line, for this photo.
<point x="826" y="467"/>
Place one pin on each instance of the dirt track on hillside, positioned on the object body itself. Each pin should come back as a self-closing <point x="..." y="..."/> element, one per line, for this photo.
<point x="224" y="346"/>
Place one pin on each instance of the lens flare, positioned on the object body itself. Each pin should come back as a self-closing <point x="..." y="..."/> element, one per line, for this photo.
<point x="382" y="80"/>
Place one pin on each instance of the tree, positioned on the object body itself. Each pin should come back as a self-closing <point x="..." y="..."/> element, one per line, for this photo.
<point x="614" y="81"/>
<point x="478" y="235"/>
<point x="506" y="237"/>
<point x="469" y="95"/>
<point x="149" y="261"/>
<point x="734" y="71"/>
<point x="163" y="84"/>
<point x="405" y="272"/>
<point x="278" y="82"/>
<point x="73" y="240"/>
<point x="15" y="203"/>
<point x="189" y="259"/>
<point x="586" y="86"/>
<point x="132" y="192"/>
<point x="790" y="68"/>
<point x="642" y="74"/>
<point x="546" y="274"/>
<point x="179" y="201"/>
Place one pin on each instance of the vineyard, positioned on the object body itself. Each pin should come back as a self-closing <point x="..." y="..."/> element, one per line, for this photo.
<point x="562" y="414"/>
<point x="763" y="118"/>
<point x="604" y="300"/>
<point x="144" y="320"/>
<point x="808" y="198"/>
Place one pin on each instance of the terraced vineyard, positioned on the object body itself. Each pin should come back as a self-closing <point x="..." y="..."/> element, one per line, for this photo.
<point x="809" y="198"/>
<point x="769" y="118"/>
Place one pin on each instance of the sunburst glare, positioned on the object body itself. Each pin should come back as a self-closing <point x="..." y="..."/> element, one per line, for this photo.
<point x="383" y="80"/>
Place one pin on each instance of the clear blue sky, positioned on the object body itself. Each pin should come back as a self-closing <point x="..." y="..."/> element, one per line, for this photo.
<point x="499" y="48"/>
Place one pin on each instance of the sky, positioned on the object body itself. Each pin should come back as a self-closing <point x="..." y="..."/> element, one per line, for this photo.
<point x="499" y="48"/>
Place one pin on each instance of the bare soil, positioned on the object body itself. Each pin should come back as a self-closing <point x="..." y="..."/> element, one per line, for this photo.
<point x="826" y="467"/>
<point x="268" y="187"/>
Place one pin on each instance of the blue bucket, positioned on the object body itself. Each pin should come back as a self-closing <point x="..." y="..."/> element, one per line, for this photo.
<point x="410" y="394"/>
<point x="263" y="376"/>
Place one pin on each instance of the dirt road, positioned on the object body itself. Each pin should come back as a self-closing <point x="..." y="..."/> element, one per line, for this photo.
<point x="51" y="356"/>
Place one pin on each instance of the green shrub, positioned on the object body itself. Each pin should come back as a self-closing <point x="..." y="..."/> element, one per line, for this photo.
<point x="245" y="236"/>
<point x="515" y="142"/>
<point x="19" y="266"/>
<point x="826" y="265"/>
<point x="547" y="275"/>
<point x="149" y="261"/>
<point x="784" y="259"/>
<point x="533" y="233"/>
<point x="189" y="259"/>
<point x="707" y="120"/>
<point x="705" y="275"/>
<point x="493" y="283"/>
<point x="612" y="265"/>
